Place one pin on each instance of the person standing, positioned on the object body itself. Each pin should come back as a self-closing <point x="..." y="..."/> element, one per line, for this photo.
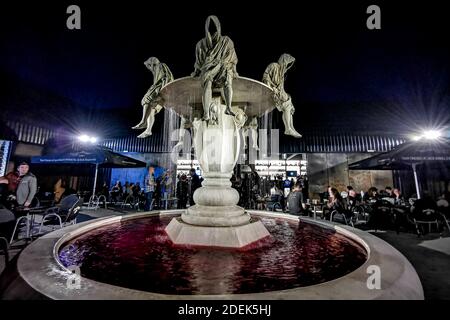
<point x="8" y="186"/>
<point x="305" y="187"/>
<point x="195" y="184"/>
<point x="149" y="188"/>
<point x="27" y="186"/>
<point x="182" y="192"/>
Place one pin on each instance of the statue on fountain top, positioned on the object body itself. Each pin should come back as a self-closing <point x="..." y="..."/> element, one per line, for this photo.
<point x="274" y="77"/>
<point x="215" y="64"/>
<point x="151" y="101"/>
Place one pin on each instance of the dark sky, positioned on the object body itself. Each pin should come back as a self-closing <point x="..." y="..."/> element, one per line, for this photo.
<point x="398" y="76"/>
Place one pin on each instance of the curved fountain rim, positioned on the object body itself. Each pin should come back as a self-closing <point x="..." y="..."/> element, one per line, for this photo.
<point x="239" y="77"/>
<point x="40" y="267"/>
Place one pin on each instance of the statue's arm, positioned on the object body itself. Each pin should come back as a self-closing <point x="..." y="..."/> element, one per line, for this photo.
<point x="199" y="57"/>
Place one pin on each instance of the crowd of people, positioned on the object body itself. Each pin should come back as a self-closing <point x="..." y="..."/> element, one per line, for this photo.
<point x="18" y="190"/>
<point x="156" y="190"/>
<point x="349" y="202"/>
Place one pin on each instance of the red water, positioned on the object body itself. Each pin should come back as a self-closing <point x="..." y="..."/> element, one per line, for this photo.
<point x="137" y="254"/>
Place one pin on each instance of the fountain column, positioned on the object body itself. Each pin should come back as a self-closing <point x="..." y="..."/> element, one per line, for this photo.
<point x="216" y="219"/>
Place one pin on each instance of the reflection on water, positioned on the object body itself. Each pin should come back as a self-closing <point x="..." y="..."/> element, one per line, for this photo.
<point x="137" y="254"/>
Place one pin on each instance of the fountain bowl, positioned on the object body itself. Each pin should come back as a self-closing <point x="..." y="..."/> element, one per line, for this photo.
<point x="40" y="268"/>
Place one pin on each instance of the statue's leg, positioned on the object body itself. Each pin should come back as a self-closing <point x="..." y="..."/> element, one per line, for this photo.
<point x="228" y="93"/>
<point x="244" y="136"/>
<point x="289" y="122"/>
<point x="255" y="138"/>
<point x="182" y="128"/>
<point x="254" y="131"/>
<point x="143" y="123"/>
<point x="150" y="122"/>
<point x="207" y="99"/>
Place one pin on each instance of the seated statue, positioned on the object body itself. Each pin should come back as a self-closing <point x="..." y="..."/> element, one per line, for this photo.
<point x="216" y="66"/>
<point x="274" y="77"/>
<point x="150" y="102"/>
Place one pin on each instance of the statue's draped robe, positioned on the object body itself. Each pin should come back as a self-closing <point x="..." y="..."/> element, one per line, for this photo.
<point x="215" y="60"/>
<point x="161" y="77"/>
<point x="274" y="77"/>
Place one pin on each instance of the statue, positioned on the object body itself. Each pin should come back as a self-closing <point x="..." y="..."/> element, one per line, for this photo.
<point x="185" y="124"/>
<point x="216" y="66"/>
<point x="150" y="102"/>
<point x="251" y="126"/>
<point x="274" y="77"/>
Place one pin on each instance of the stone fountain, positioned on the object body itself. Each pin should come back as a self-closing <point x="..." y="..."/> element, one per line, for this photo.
<point x="219" y="104"/>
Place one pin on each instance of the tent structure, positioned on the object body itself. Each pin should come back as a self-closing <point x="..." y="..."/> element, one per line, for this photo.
<point x="99" y="156"/>
<point x="408" y="156"/>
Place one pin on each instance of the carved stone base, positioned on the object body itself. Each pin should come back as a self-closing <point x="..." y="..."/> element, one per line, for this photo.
<point x="182" y="233"/>
<point x="210" y="216"/>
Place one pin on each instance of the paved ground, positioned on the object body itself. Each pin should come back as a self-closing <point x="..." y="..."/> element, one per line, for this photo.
<point x="429" y="254"/>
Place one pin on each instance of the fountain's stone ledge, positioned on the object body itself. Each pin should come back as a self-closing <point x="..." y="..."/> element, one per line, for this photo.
<point x="39" y="268"/>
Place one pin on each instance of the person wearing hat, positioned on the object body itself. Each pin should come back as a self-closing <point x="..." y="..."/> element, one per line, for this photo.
<point x="27" y="185"/>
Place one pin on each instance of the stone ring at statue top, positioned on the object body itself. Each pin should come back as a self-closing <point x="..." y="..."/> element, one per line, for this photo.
<point x="184" y="96"/>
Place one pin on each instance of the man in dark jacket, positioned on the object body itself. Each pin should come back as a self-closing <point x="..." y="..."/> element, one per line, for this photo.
<point x="182" y="192"/>
<point x="196" y="183"/>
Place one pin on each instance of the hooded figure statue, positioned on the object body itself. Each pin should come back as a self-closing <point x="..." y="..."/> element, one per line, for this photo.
<point x="215" y="65"/>
<point x="274" y="77"/>
<point x="150" y="102"/>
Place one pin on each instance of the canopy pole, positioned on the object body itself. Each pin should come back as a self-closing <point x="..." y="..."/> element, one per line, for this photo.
<point x="95" y="179"/>
<point x="416" y="180"/>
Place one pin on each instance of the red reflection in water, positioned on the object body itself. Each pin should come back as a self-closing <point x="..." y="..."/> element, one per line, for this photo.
<point x="138" y="254"/>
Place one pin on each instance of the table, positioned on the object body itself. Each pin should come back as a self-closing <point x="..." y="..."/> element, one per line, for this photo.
<point x="315" y="206"/>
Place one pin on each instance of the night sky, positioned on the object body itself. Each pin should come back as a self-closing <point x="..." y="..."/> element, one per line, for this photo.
<point x="392" y="80"/>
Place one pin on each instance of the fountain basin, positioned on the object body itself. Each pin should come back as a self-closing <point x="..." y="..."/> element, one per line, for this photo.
<point x="40" y="266"/>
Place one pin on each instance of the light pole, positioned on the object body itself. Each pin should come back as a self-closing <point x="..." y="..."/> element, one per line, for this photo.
<point x="92" y="140"/>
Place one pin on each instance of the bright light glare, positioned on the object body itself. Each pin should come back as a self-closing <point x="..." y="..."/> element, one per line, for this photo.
<point x="83" y="138"/>
<point x="428" y="135"/>
<point x="431" y="134"/>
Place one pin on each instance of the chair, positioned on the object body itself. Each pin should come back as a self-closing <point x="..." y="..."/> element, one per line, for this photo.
<point x="4" y="244"/>
<point x="102" y="198"/>
<point x="426" y="216"/>
<point x="444" y="211"/>
<point x="28" y="219"/>
<point x="93" y="203"/>
<point x="360" y="216"/>
<point x="446" y="220"/>
<point x="131" y="201"/>
<point x="342" y="217"/>
<point x="274" y="203"/>
<point x="381" y="217"/>
<point x="64" y="214"/>
<point x="6" y="219"/>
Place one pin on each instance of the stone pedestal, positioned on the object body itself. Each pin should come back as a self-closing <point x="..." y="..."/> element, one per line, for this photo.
<point x="216" y="219"/>
<point x="182" y="233"/>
